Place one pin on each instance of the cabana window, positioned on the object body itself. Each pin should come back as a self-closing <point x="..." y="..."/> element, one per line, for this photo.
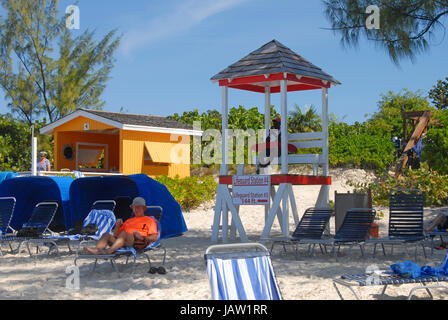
<point x="91" y="157"/>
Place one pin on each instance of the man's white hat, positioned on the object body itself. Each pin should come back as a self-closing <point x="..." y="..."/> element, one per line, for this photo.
<point x="139" y="201"/>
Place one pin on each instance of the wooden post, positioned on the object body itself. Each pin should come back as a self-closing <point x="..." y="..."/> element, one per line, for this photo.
<point x="423" y="122"/>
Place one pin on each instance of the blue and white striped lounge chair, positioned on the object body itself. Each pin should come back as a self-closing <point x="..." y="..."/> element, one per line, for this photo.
<point x="7" y="206"/>
<point x="128" y="253"/>
<point x="311" y="227"/>
<point x="105" y="221"/>
<point x="387" y="278"/>
<point x="41" y="218"/>
<point x="405" y="221"/>
<point x="241" y="272"/>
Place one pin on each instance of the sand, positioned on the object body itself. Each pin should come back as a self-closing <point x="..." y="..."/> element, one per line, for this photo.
<point x="44" y="277"/>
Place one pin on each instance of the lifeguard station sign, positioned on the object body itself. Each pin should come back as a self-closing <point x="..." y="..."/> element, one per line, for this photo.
<point x="251" y="190"/>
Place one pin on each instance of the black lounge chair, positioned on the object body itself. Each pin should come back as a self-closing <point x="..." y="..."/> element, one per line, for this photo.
<point x="311" y="227"/>
<point x="405" y="221"/>
<point x="353" y="231"/>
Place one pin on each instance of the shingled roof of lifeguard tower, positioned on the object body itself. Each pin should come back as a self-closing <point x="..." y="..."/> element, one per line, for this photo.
<point x="272" y="58"/>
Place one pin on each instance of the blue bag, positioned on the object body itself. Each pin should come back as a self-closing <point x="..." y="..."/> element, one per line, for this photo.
<point x="430" y="271"/>
<point x="407" y="269"/>
<point x="444" y="266"/>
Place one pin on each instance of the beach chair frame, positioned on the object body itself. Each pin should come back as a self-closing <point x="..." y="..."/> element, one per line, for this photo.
<point x="104" y="205"/>
<point x="7" y="206"/>
<point x="431" y="235"/>
<point x="363" y="280"/>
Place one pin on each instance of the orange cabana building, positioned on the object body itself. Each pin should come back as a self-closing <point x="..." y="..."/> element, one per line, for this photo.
<point x="109" y="142"/>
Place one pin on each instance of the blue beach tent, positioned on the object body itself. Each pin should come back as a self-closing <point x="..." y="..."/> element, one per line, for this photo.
<point x="157" y="194"/>
<point x="7" y="175"/>
<point x="29" y="191"/>
<point x="85" y="191"/>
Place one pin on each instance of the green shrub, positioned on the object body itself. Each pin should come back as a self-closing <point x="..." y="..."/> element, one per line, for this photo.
<point x="433" y="185"/>
<point x="360" y="145"/>
<point x="435" y="151"/>
<point x="190" y="192"/>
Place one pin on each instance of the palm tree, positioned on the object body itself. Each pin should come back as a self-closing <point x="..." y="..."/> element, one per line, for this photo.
<point x="308" y="121"/>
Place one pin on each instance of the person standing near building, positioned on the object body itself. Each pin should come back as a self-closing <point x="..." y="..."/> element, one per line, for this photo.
<point x="43" y="164"/>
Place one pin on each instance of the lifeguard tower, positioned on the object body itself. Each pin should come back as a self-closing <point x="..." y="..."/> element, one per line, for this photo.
<point x="273" y="68"/>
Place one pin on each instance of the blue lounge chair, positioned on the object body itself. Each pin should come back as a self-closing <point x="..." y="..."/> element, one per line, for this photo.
<point x="41" y="218"/>
<point x="311" y="227"/>
<point x="7" y="206"/>
<point x="353" y="231"/>
<point x="155" y="212"/>
<point x="241" y="272"/>
<point x="405" y="221"/>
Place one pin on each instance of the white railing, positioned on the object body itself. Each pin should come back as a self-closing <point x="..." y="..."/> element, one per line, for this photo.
<point x="307" y="140"/>
<point x="75" y="173"/>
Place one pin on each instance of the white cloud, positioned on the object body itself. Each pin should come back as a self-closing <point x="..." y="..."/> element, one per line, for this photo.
<point x="184" y="16"/>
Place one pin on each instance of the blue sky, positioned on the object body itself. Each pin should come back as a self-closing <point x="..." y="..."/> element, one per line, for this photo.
<point x="170" y="49"/>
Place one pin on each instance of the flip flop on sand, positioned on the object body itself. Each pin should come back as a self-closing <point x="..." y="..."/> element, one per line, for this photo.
<point x="159" y="270"/>
<point x="152" y="270"/>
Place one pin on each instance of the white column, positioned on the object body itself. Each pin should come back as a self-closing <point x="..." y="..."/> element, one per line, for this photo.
<point x="267" y="111"/>
<point x="267" y="127"/>
<point x="33" y="152"/>
<point x="325" y="130"/>
<point x="267" y="123"/>
<point x="225" y="159"/>
<point x="284" y="158"/>
<point x="324" y="195"/>
<point x="284" y="128"/>
<point x="225" y="125"/>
